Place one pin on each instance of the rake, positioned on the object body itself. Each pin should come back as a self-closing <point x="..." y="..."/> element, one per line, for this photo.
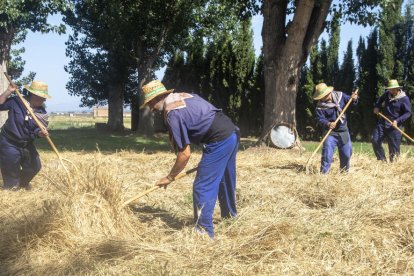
<point x="180" y="175"/>
<point x="396" y="127"/>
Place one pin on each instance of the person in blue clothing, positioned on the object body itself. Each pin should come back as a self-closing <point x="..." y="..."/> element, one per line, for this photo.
<point x="19" y="159"/>
<point x="396" y="106"/>
<point x="192" y="120"/>
<point x="329" y="106"/>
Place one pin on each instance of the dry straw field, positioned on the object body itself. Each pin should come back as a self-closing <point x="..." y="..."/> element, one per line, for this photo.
<point x="289" y="223"/>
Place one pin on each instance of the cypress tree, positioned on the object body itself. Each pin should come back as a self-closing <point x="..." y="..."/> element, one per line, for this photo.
<point x="243" y="74"/>
<point x="332" y="59"/>
<point x="323" y="60"/>
<point x="257" y="97"/>
<point x="368" y="81"/>
<point x="346" y="84"/>
<point x="347" y="71"/>
<point x="391" y="15"/>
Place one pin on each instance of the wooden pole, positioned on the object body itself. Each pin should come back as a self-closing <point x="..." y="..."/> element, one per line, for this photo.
<point x="329" y="132"/>
<point x="396" y="127"/>
<point x="39" y="124"/>
<point x="180" y="175"/>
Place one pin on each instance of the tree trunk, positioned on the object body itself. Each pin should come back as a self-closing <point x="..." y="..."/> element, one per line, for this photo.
<point x="3" y="86"/>
<point x="146" y="117"/>
<point x="280" y="93"/>
<point x="5" y="44"/>
<point x="115" y="107"/>
<point x="285" y="50"/>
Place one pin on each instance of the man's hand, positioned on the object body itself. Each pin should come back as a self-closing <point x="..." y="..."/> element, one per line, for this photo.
<point x="394" y="123"/>
<point x="11" y="88"/>
<point x="354" y="95"/>
<point x="332" y="125"/>
<point x="43" y="133"/>
<point x="376" y="110"/>
<point x="163" y="182"/>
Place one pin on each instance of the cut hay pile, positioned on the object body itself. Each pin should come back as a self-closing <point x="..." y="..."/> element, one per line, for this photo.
<point x="289" y="222"/>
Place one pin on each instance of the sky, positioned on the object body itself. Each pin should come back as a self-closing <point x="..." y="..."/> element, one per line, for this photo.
<point x="45" y="55"/>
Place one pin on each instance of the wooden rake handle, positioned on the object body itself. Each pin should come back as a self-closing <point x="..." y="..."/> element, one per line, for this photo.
<point x="329" y="132"/>
<point x="180" y="175"/>
<point x="396" y="127"/>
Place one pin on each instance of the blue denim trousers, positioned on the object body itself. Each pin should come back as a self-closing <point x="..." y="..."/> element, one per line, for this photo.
<point x="344" y="150"/>
<point x="18" y="164"/>
<point x="393" y="138"/>
<point x="216" y="178"/>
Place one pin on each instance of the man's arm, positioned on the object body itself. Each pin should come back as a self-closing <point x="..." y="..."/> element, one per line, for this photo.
<point x="378" y="103"/>
<point x="180" y="162"/>
<point x="406" y="111"/>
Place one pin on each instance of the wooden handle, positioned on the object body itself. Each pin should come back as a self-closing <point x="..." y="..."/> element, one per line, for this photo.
<point x="329" y="131"/>
<point x="396" y="127"/>
<point x="180" y="175"/>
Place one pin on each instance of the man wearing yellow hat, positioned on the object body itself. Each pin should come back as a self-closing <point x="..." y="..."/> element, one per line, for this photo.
<point x="19" y="159"/>
<point x="329" y="106"/>
<point x="396" y="106"/>
<point x="192" y="120"/>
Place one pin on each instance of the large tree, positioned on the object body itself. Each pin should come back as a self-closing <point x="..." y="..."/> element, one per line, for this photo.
<point x="290" y="29"/>
<point x="18" y="16"/>
<point x="141" y="35"/>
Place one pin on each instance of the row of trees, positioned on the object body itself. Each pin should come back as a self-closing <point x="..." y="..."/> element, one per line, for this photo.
<point x="225" y="72"/>
<point x="117" y="46"/>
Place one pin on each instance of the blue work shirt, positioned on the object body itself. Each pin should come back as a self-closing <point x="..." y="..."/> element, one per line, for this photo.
<point x="325" y="116"/>
<point x="190" y="124"/>
<point x="19" y="125"/>
<point x="396" y="110"/>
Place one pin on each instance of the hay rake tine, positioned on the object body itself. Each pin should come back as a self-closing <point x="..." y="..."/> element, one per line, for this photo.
<point x="180" y="175"/>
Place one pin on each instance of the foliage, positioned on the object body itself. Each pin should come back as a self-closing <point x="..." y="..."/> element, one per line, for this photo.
<point x="18" y="16"/>
<point x="391" y="12"/>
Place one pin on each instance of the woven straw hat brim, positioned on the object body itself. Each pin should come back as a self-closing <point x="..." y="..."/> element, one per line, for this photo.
<point x="45" y="96"/>
<point x="153" y="97"/>
<point x="328" y="90"/>
<point x="391" y="87"/>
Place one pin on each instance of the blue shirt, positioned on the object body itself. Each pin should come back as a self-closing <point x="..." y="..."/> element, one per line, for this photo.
<point x="19" y="125"/>
<point x="325" y="116"/>
<point x="190" y="124"/>
<point x="396" y="110"/>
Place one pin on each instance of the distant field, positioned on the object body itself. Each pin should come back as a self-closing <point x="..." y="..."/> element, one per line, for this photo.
<point x="66" y="122"/>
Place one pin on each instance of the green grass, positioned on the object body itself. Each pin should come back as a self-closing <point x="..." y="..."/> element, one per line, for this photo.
<point x="80" y="134"/>
<point x="361" y="147"/>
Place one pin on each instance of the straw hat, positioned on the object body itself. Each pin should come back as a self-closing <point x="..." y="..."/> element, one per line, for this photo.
<point x="153" y="89"/>
<point x="321" y="90"/>
<point x="39" y="88"/>
<point x="393" y="84"/>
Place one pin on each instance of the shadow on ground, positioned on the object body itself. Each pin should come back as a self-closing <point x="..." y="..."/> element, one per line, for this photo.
<point x="147" y="214"/>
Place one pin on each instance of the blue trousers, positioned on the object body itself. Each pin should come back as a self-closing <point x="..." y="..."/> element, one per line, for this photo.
<point x="393" y="138"/>
<point x="18" y="164"/>
<point x="344" y="150"/>
<point x="216" y="177"/>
